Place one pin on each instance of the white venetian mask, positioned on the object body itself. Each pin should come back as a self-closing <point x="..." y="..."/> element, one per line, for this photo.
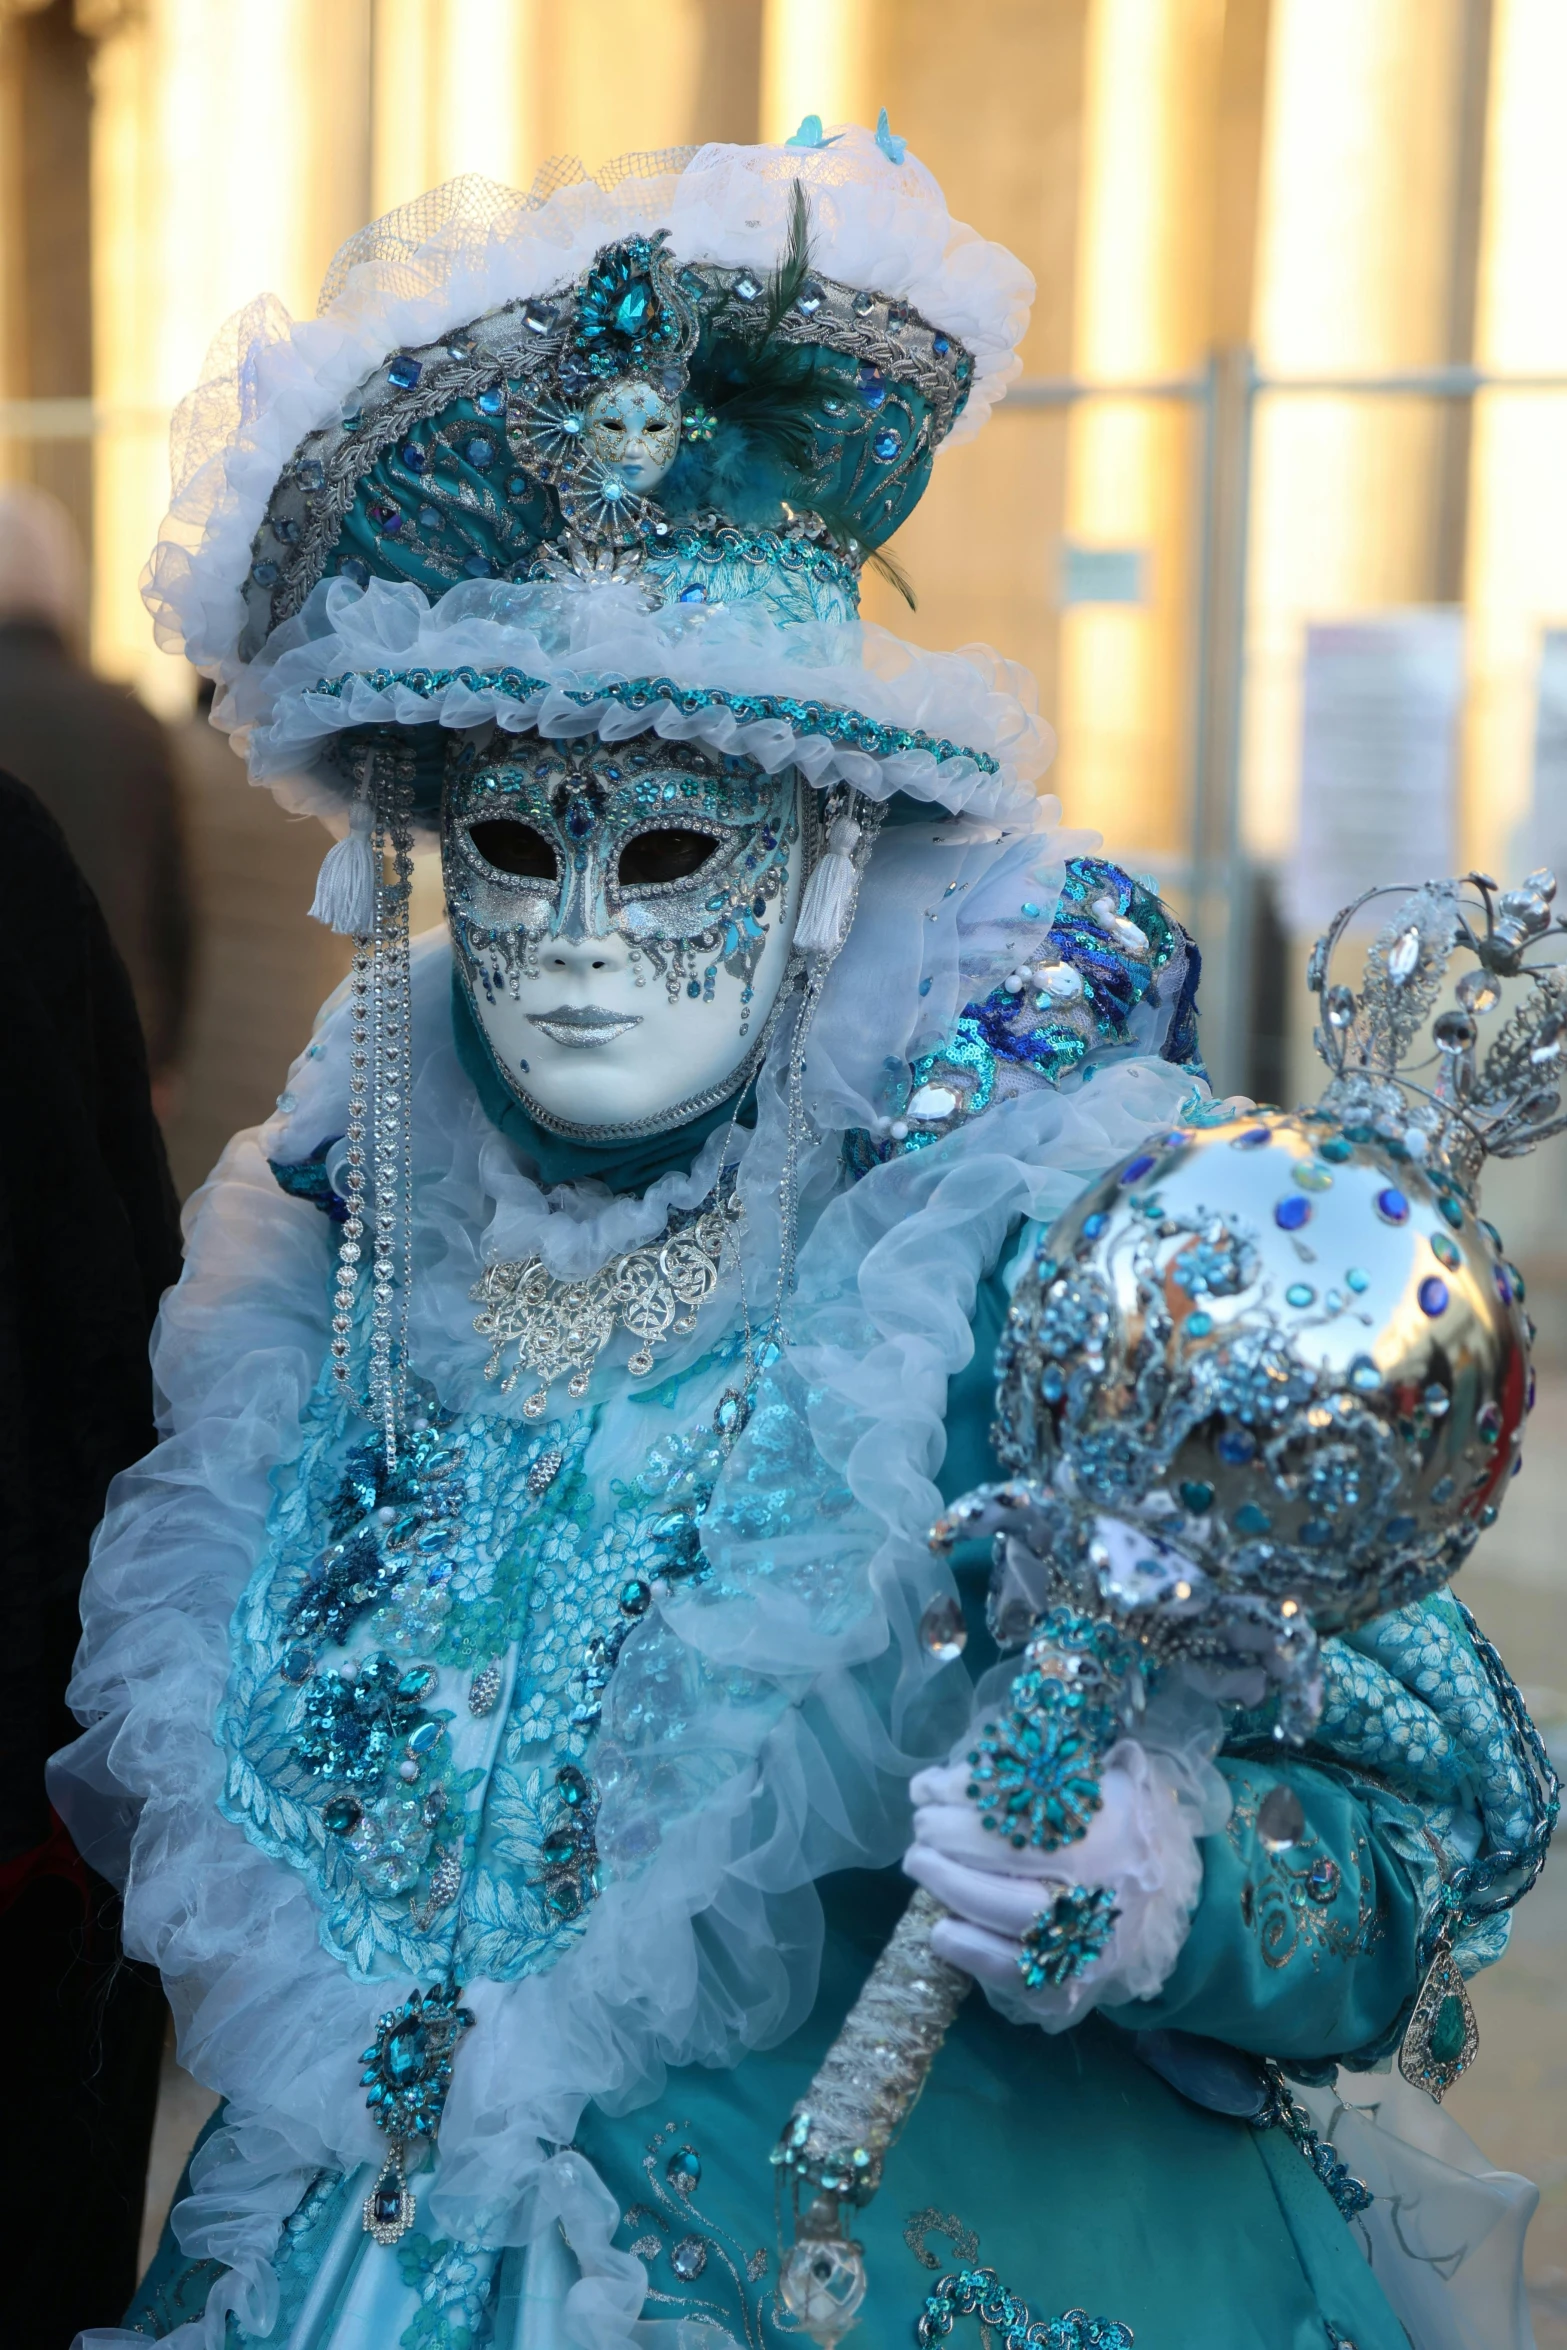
<point x="635" y="431"/>
<point x="622" y="920"/>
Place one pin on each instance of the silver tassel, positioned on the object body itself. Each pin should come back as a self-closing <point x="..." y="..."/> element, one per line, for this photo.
<point x="828" y="903"/>
<point x="345" y="885"/>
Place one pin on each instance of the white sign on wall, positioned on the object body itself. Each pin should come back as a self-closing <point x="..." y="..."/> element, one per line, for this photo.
<point x="1379" y="758"/>
<point x="1542" y="837"/>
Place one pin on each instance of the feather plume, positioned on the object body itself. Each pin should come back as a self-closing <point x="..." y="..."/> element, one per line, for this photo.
<point x="787" y="281"/>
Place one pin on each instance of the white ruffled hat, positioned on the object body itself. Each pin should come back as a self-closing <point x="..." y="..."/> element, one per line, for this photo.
<point x="392" y="514"/>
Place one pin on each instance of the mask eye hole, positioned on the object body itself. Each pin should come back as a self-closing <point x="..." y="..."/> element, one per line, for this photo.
<point x="514" y="848"/>
<point x="670" y="854"/>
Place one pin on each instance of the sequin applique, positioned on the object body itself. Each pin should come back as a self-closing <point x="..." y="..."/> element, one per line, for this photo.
<point x="1110" y="947"/>
<point x="419" y="1671"/>
<point x="843" y="726"/>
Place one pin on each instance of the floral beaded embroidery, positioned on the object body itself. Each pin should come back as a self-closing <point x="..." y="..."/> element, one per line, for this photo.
<point x="419" y="1673"/>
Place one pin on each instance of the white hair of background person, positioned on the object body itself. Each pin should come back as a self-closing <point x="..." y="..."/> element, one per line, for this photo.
<point x="43" y="572"/>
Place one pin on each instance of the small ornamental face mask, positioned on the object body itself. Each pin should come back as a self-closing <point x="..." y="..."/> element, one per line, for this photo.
<point x="622" y="921"/>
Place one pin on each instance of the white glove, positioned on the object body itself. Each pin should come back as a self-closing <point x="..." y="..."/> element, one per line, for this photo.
<point x="1142" y="1846"/>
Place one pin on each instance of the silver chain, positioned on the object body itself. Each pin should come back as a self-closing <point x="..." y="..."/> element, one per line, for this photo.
<point x="379" y="1140"/>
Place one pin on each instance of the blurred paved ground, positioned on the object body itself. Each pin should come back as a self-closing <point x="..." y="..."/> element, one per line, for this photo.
<point x="1514" y="2101"/>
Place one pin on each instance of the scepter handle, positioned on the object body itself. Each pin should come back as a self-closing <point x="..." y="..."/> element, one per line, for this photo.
<point x="838" y="2136"/>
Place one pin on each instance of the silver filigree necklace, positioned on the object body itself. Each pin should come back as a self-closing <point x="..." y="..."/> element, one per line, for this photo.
<point x="560" y="1328"/>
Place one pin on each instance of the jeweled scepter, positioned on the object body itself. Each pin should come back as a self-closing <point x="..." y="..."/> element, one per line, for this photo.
<point x="1265" y="1380"/>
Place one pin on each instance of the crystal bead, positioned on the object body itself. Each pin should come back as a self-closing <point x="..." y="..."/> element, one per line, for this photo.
<point x="942" y="1631"/>
<point x="1403" y="958"/>
<point x="1392" y="1206"/>
<point x="1059" y="981"/>
<point x="405" y="371"/>
<point x="688" y="2258"/>
<point x="1454" y="1032"/>
<point x="1479" y="991"/>
<point x="1281" y="1821"/>
<point x="1292" y="1213"/>
<point x="491" y="403"/>
<point x="886" y="445"/>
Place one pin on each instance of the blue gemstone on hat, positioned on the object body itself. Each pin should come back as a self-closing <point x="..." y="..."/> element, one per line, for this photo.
<point x="355" y="572"/>
<point x="1364" y="1375"/>
<point x="518" y="486"/>
<point x="416" y="459"/>
<point x="872" y="385"/>
<point x="1251" y="1519"/>
<point x="1093" y="1225"/>
<point x="1251" y="1140"/>
<point x="1392" y="1206"/>
<point x="631" y="311"/>
<point x="1290" y="1214"/>
<point x="1300" y="1293"/>
<point x="263" y="573"/>
<point x="940" y="345"/>
<point x="886" y="445"/>
<point x="491" y="403"/>
<point x="480" y="452"/>
<point x="696" y="593"/>
<point x="1400" y="1529"/>
<point x="404" y="372"/>
<point x="312" y="474"/>
<point x="1358" y="1280"/>
<point x="1504" y="1287"/>
<point x="1196" y="1495"/>
<point x="1138" y="1167"/>
<point x="1432" y="1294"/>
<point x="478" y="566"/>
<point x="429" y="518"/>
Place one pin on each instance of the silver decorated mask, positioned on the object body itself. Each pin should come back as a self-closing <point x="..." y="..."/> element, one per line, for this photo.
<point x="622" y="921"/>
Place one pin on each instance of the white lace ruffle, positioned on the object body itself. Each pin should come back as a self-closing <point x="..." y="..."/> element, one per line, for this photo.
<point x="271" y="379"/>
<point x="579" y="640"/>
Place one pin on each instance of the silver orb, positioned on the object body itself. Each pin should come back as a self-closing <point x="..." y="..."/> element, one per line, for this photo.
<point x="1301" y="1359"/>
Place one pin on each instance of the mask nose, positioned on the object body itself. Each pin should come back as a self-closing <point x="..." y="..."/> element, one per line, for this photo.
<point x="582" y="959"/>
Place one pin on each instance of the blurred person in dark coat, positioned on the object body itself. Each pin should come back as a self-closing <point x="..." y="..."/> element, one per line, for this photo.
<point x="89" y="1239"/>
<point x="100" y="763"/>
